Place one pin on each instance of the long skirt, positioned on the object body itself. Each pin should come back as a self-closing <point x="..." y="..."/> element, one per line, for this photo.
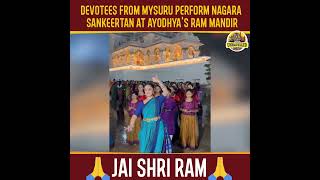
<point x="151" y="136"/>
<point x="169" y="121"/>
<point x="133" y="135"/>
<point x="189" y="131"/>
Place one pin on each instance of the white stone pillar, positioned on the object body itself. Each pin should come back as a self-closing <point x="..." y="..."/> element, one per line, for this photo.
<point x="197" y="51"/>
<point x="184" y="52"/>
<point x="131" y="56"/>
<point x="162" y="55"/>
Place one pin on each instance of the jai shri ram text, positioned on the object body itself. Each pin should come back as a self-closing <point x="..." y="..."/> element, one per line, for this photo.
<point x="160" y="167"/>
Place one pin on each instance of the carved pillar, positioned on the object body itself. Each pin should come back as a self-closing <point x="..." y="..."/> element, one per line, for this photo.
<point x="197" y="51"/>
<point x="121" y="59"/>
<point x="147" y="59"/>
<point x="168" y="54"/>
<point x="115" y="60"/>
<point x="162" y="53"/>
<point x="185" y="53"/>
<point x="127" y="57"/>
<point x="141" y="58"/>
<point x="132" y="57"/>
<point x="157" y="56"/>
<point x="152" y="56"/>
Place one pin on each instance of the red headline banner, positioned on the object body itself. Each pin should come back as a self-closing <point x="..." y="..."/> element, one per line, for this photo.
<point x="157" y="166"/>
<point x="164" y="15"/>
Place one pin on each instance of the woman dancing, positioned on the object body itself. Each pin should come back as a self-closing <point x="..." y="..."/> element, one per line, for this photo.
<point x="169" y="112"/>
<point x="157" y="91"/>
<point x="189" y="132"/>
<point x="153" y="135"/>
<point x="141" y="95"/>
<point x="132" y="106"/>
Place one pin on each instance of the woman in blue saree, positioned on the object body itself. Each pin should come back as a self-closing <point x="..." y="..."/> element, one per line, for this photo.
<point x="153" y="135"/>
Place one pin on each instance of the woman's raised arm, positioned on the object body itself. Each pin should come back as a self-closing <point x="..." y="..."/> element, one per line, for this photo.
<point x="164" y="89"/>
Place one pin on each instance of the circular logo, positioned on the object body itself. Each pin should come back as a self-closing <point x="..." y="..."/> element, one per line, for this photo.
<point x="237" y="41"/>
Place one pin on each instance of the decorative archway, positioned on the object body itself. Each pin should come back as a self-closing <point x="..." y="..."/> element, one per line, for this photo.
<point x="139" y="58"/>
<point x="157" y="55"/>
<point x="191" y="52"/>
<point x="177" y="54"/>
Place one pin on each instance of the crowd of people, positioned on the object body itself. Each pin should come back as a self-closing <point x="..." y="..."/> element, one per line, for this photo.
<point x="160" y="113"/>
